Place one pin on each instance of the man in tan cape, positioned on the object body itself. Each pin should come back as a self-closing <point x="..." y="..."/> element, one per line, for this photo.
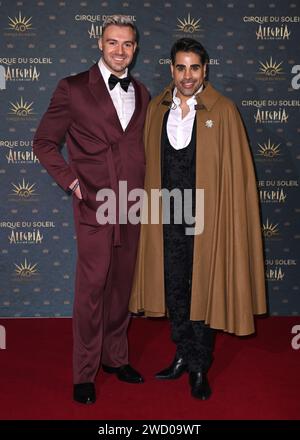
<point x="194" y="138"/>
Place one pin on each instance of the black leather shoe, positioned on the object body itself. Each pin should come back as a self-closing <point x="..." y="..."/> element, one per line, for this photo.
<point x="125" y="373"/>
<point x="199" y="385"/>
<point x="174" y="371"/>
<point x="84" y="393"/>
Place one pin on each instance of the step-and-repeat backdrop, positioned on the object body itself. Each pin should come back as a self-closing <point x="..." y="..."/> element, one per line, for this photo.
<point x="255" y="60"/>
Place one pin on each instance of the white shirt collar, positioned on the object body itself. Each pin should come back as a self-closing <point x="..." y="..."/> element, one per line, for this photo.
<point x="191" y="101"/>
<point x="106" y="72"/>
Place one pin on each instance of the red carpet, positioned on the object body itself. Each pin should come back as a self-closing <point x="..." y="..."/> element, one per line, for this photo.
<point x="251" y="378"/>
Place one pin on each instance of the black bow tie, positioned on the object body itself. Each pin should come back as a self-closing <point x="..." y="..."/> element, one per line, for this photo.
<point x="124" y="82"/>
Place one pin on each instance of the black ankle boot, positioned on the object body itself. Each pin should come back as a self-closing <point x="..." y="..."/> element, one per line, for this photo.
<point x="174" y="371"/>
<point x="199" y="385"/>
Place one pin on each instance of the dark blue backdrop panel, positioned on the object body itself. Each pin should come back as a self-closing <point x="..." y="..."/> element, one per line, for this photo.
<point x="254" y="52"/>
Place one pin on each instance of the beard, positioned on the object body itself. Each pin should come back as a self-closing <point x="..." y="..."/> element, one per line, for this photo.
<point x="188" y="91"/>
<point x="115" y="66"/>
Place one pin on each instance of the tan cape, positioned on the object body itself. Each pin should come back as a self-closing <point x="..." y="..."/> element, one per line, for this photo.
<point x="228" y="284"/>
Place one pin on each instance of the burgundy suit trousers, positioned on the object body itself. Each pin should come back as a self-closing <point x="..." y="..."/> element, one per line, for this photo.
<point x="104" y="276"/>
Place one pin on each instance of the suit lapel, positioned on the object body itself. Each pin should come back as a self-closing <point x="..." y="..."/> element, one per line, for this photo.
<point x="106" y="107"/>
<point x="138" y="104"/>
<point x="99" y="90"/>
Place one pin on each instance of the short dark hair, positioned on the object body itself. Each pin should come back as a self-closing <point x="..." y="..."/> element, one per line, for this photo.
<point x="189" y="45"/>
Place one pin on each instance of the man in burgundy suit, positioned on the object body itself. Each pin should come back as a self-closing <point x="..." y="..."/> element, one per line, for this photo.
<point x="101" y="114"/>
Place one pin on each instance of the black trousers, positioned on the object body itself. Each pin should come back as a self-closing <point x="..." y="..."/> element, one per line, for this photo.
<point x="194" y="340"/>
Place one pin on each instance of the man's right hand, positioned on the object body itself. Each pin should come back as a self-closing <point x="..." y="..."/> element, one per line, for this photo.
<point x="77" y="191"/>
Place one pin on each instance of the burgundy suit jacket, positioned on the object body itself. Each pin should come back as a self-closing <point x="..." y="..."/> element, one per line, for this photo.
<point x="100" y="153"/>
